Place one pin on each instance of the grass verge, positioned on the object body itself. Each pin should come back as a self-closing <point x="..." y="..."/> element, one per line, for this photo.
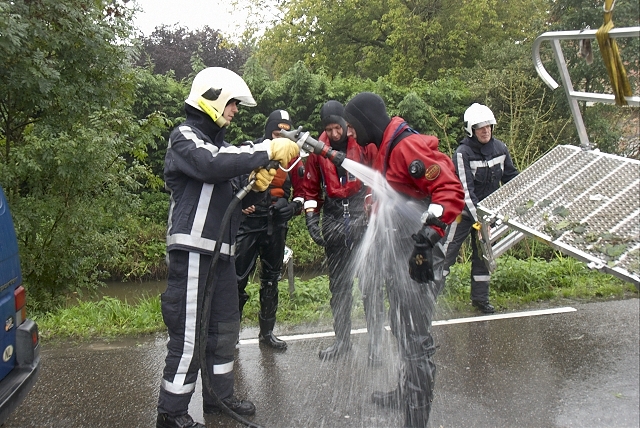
<point x="515" y="284"/>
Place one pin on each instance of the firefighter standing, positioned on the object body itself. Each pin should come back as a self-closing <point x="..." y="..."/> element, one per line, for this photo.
<point x="341" y="198"/>
<point x="413" y="166"/>
<point x="482" y="163"/>
<point x="263" y="232"/>
<point x="201" y="173"/>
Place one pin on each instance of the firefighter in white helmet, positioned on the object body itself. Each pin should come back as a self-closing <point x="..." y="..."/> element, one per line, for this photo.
<point x="202" y="173"/>
<point x="483" y="163"/>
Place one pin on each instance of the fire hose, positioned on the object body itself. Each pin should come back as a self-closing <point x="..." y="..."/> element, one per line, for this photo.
<point x="307" y="144"/>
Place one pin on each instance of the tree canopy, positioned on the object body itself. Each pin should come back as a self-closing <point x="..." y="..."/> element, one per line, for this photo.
<point x="60" y="61"/>
<point x="402" y="39"/>
<point x="171" y="48"/>
<point x="74" y="154"/>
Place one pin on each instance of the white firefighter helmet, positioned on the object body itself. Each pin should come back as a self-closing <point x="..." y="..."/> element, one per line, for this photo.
<point x="213" y="88"/>
<point x="477" y="116"/>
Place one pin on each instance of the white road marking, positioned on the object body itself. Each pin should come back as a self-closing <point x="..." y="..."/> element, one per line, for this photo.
<point x="435" y="323"/>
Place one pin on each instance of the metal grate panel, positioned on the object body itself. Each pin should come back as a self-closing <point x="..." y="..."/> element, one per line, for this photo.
<point x="584" y="203"/>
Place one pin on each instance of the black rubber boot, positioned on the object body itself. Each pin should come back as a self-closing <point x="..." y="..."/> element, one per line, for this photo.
<point x="267" y="317"/>
<point x="483" y="306"/>
<point x="341" y="309"/>
<point x="240" y="407"/>
<point x="374" y="315"/>
<point x="416" y="417"/>
<point x="183" y="421"/>
<point x="375" y="353"/>
<point x="266" y="335"/>
<point x="338" y="349"/>
<point x="391" y="399"/>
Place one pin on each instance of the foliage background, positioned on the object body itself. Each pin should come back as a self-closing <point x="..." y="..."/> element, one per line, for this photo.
<point x="86" y="106"/>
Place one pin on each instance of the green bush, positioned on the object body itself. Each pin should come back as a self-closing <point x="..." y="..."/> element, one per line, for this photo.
<point x="309" y="302"/>
<point x="307" y="254"/>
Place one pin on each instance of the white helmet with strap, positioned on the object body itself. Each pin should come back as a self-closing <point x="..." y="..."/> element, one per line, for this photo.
<point x="213" y="88"/>
<point x="477" y="116"/>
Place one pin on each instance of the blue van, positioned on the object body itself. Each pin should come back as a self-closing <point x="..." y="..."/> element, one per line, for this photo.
<point x="19" y="339"/>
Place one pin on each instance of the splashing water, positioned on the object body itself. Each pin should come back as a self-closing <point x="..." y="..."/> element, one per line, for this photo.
<point x="380" y="260"/>
<point x="365" y="174"/>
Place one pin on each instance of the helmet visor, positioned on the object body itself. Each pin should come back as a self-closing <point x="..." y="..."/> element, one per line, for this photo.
<point x="483" y="124"/>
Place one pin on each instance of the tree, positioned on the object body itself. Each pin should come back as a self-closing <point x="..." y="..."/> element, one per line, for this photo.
<point x="593" y="77"/>
<point x="60" y="60"/>
<point x="171" y="48"/>
<point x="162" y="97"/>
<point x="74" y="153"/>
<point x="401" y="39"/>
<point x="346" y="37"/>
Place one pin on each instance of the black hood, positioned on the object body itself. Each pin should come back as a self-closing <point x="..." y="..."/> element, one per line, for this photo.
<point x="367" y="113"/>
<point x="333" y="112"/>
<point x="202" y="121"/>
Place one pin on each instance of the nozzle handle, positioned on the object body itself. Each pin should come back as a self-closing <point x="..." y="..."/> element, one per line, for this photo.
<point x="311" y="145"/>
<point x="304" y="140"/>
<point x="273" y="164"/>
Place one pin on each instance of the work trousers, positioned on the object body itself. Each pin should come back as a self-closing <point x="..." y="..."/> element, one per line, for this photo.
<point x="255" y="238"/>
<point x="339" y="250"/>
<point x="453" y="240"/>
<point x="411" y="309"/>
<point x="181" y="310"/>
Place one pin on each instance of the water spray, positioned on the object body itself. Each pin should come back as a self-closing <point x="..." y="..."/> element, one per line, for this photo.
<point x="307" y="144"/>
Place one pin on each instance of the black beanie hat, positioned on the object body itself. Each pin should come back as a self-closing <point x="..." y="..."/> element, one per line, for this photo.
<point x="333" y="112"/>
<point x="367" y="113"/>
<point x="277" y="120"/>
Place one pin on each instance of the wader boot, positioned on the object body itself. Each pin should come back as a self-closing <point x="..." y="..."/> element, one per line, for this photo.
<point x="266" y="334"/>
<point x="391" y="399"/>
<point x="342" y="328"/>
<point x="416" y="417"/>
<point x="374" y="314"/>
<point x="267" y="317"/>
<point x="375" y="348"/>
<point x="418" y="401"/>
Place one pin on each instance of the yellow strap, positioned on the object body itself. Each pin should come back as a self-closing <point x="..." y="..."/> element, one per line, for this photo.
<point x="611" y="57"/>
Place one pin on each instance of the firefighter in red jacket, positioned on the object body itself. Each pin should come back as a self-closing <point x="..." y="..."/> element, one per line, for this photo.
<point x="431" y="197"/>
<point x="341" y="198"/>
<point x="263" y="232"/>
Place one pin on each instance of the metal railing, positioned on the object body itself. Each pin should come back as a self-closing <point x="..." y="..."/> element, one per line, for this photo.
<point x="573" y="96"/>
<point x="579" y="201"/>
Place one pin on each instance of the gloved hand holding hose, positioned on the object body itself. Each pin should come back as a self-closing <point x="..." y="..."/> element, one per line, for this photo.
<point x="421" y="260"/>
<point x="263" y="178"/>
<point x="281" y="151"/>
<point x="313" y="226"/>
<point x="311" y="145"/>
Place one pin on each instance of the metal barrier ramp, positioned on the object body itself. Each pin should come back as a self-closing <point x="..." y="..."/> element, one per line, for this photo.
<point x="583" y="203"/>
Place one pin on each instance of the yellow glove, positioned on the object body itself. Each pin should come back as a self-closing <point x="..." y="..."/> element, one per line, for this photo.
<point x="283" y="150"/>
<point x="263" y="178"/>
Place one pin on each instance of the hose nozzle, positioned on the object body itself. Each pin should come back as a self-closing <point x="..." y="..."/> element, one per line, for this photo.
<point x="311" y="145"/>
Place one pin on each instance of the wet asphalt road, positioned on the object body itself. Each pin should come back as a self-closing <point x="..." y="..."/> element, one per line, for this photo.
<point x="573" y="369"/>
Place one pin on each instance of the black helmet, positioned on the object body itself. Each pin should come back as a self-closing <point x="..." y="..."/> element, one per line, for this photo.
<point x="278" y="119"/>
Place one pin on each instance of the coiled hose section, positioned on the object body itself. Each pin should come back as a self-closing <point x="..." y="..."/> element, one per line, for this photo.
<point x="206" y="310"/>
